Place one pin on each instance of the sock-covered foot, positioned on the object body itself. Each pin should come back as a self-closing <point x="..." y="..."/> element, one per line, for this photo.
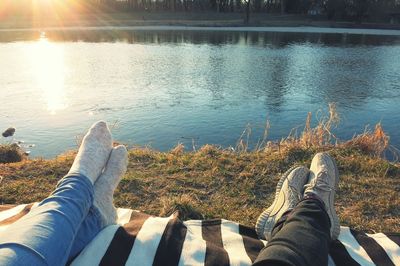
<point x="323" y="182"/>
<point x="289" y="192"/>
<point x="107" y="182"/>
<point x="93" y="152"/>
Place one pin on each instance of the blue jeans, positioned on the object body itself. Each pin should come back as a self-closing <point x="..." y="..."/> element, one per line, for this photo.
<point x="56" y="230"/>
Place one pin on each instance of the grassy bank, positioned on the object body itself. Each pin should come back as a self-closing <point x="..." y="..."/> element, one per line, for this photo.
<point x="214" y="183"/>
<point x="235" y="184"/>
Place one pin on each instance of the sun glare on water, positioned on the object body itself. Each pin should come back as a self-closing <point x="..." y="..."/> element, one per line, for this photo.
<point x="49" y="71"/>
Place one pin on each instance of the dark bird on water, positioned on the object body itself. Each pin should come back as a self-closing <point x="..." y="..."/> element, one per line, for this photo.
<point x="8" y="132"/>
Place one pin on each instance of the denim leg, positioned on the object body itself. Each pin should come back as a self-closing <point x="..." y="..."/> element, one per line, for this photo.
<point x="45" y="235"/>
<point x="303" y="239"/>
<point x="90" y="227"/>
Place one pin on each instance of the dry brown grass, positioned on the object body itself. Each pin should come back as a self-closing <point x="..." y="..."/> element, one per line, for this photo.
<point x="321" y="137"/>
<point x="213" y="182"/>
<point x="374" y="142"/>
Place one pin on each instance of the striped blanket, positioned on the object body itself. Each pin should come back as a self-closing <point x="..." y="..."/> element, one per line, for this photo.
<point x="141" y="239"/>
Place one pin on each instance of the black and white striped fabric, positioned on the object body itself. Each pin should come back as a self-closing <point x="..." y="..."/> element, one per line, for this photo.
<point x="140" y="239"/>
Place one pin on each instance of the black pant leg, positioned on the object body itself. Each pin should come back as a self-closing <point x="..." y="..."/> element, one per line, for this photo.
<point x="303" y="239"/>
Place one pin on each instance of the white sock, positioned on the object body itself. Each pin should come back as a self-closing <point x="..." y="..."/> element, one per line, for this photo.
<point x="93" y="152"/>
<point x="107" y="182"/>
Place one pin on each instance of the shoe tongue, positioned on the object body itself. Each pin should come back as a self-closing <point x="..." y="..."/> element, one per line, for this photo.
<point x="322" y="181"/>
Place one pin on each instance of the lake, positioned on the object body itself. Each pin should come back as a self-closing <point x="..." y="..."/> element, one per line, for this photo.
<point x="163" y="87"/>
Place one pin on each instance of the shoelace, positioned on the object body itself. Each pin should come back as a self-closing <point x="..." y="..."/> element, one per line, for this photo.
<point x="320" y="182"/>
<point x="295" y="196"/>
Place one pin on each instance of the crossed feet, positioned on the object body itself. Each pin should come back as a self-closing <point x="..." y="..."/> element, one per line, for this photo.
<point x="103" y="165"/>
<point x="319" y="182"/>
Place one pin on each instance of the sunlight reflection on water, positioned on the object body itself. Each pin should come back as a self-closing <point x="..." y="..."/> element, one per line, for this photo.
<point x="49" y="70"/>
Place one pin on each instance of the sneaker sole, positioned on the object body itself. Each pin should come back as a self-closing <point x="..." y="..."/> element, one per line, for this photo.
<point x="264" y="221"/>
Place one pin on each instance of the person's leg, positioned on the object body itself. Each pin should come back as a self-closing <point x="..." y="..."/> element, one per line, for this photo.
<point x="90" y="226"/>
<point x="45" y="235"/>
<point x="102" y="213"/>
<point x="300" y="237"/>
<point x="289" y="191"/>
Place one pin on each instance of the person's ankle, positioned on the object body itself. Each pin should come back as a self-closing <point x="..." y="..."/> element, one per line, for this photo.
<point x="314" y="197"/>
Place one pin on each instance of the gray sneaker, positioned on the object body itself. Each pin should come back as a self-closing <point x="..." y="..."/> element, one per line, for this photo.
<point x="289" y="192"/>
<point x="323" y="182"/>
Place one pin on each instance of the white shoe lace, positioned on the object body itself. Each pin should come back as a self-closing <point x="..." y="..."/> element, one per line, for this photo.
<point x="321" y="182"/>
<point x="294" y="196"/>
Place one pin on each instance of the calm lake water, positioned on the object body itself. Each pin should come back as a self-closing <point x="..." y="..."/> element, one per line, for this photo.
<point x="165" y="87"/>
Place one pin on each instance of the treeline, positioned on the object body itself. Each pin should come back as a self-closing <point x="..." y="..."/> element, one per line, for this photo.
<point x="332" y="9"/>
<point x="356" y="10"/>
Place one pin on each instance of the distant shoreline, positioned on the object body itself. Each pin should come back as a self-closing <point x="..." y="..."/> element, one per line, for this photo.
<point x="198" y="21"/>
<point x="299" y="29"/>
